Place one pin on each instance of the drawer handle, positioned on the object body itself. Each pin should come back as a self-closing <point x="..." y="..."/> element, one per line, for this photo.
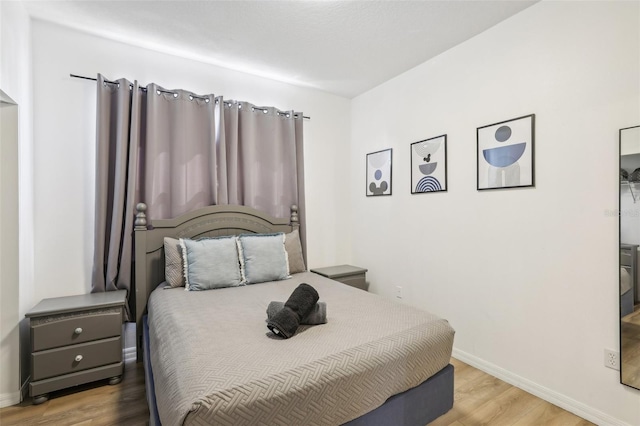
<point x="77" y="330"/>
<point x="78" y="358"/>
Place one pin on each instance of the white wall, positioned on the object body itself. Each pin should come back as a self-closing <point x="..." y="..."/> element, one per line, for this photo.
<point x="64" y="117"/>
<point x="527" y="277"/>
<point x="15" y="81"/>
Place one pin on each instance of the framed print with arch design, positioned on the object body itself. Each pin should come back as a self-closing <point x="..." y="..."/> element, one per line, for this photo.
<point x="429" y="165"/>
<point x="505" y="154"/>
<point x="379" y="172"/>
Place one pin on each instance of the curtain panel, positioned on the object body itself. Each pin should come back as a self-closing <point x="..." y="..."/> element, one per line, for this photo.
<point x="177" y="152"/>
<point x="118" y="129"/>
<point x="262" y="148"/>
<point x="180" y="160"/>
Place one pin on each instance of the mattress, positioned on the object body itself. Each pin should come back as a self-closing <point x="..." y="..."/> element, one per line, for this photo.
<point x="215" y="362"/>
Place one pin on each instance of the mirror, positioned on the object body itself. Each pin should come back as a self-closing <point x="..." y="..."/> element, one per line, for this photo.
<point x="629" y="256"/>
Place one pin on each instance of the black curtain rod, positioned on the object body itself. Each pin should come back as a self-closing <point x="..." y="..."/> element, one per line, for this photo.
<point x="142" y="88"/>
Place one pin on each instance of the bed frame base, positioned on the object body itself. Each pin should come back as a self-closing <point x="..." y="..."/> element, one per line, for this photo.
<point x="416" y="406"/>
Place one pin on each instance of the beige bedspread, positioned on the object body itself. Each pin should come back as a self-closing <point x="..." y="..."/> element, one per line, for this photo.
<point x="215" y="362"/>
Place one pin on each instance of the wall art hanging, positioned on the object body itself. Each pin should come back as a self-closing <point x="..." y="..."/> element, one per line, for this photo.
<point x="379" y="173"/>
<point x="429" y="165"/>
<point x="505" y="154"/>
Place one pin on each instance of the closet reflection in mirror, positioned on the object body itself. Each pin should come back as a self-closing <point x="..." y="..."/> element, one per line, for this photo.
<point x="629" y="256"/>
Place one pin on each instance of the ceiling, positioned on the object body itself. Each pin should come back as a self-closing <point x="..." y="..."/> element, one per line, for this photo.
<point x="341" y="47"/>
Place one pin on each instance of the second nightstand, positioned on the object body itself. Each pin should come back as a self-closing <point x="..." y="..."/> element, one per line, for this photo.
<point x="347" y="274"/>
<point x="75" y="340"/>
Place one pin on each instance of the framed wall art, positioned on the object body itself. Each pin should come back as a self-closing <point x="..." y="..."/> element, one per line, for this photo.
<point x="506" y="153"/>
<point x="379" y="172"/>
<point x="429" y="165"/>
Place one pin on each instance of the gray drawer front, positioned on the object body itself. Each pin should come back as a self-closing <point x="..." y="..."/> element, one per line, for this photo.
<point x="625" y="258"/>
<point x="357" y="281"/>
<point x="62" y="332"/>
<point x="55" y="362"/>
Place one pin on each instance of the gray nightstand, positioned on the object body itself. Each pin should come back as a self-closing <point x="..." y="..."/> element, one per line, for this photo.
<point x="347" y="274"/>
<point x="75" y="340"/>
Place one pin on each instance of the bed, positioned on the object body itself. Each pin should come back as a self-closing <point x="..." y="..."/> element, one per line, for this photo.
<point x="210" y="359"/>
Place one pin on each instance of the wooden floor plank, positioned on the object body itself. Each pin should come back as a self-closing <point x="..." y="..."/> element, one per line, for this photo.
<point x="471" y="394"/>
<point x="550" y="415"/>
<point x="505" y="409"/>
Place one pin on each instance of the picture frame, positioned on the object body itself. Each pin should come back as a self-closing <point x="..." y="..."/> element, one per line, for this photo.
<point x="379" y="173"/>
<point x="505" y="154"/>
<point x="429" y="165"/>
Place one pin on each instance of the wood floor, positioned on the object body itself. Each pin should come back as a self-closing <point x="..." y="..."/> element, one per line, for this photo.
<point x="630" y="339"/>
<point x="480" y="399"/>
<point x="95" y="404"/>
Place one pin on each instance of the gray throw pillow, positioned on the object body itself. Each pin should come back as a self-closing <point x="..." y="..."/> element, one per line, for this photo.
<point x="173" y="266"/>
<point x="293" y="247"/>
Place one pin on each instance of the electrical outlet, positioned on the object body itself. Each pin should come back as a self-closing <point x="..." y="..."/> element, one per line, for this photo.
<point x="612" y="359"/>
<point x="399" y="292"/>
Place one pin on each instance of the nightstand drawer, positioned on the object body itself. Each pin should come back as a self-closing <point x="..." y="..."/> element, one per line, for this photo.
<point x="54" y="333"/>
<point x="55" y="362"/>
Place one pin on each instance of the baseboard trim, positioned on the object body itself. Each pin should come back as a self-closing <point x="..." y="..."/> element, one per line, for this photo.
<point x="9" y="399"/>
<point x="129" y="354"/>
<point x="562" y="401"/>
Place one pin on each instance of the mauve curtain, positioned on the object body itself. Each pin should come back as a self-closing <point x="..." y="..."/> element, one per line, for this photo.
<point x="177" y="152"/>
<point x="118" y="131"/>
<point x="181" y="157"/>
<point x="263" y="146"/>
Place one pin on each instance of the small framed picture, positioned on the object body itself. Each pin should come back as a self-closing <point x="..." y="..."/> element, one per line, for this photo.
<point x="379" y="173"/>
<point x="506" y="154"/>
<point x="429" y="165"/>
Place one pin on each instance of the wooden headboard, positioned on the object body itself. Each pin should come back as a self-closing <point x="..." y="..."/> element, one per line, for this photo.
<point x="211" y="221"/>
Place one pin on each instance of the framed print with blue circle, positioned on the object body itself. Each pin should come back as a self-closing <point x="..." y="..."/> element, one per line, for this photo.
<point x="429" y="165"/>
<point x="379" y="173"/>
<point x="505" y="154"/>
